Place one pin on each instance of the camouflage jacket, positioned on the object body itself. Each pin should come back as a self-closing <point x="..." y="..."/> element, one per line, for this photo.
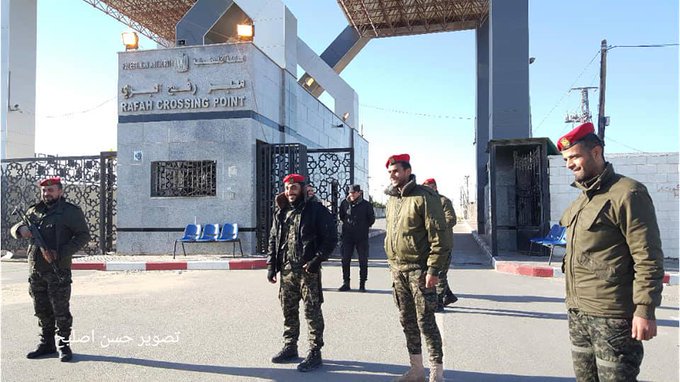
<point x="614" y="261"/>
<point x="64" y="229"/>
<point x="316" y="234"/>
<point x="416" y="229"/>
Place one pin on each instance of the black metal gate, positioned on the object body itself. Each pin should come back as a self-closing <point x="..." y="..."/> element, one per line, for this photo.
<point x="529" y="203"/>
<point x="330" y="171"/>
<point x="89" y="182"/>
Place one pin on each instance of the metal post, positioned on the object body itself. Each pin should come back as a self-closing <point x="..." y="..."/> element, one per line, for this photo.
<point x="102" y="203"/>
<point x="601" y="119"/>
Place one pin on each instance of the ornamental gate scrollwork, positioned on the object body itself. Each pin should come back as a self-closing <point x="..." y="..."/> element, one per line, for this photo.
<point x="330" y="171"/>
<point x="89" y="182"/>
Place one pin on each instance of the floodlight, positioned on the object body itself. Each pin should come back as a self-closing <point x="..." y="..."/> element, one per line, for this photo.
<point x="130" y="40"/>
<point x="245" y="31"/>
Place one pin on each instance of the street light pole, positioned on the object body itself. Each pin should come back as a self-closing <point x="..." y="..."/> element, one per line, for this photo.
<point x="601" y="119"/>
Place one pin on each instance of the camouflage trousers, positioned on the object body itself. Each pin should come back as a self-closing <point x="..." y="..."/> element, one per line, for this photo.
<point x="51" y="302"/>
<point x="416" y="312"/>
<point x="299" y="285"/>
<point x="443" y="286"/>
<point x="602" y="349"/>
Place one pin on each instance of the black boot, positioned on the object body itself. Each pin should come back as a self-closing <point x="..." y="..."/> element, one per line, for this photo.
<point x="344" y="287"/>
<point x="65" y="353"/>
<point x="362" y="286"/>
<point x="313" y="361"/>
<point x="45" y="347"/>
<point x="288" y="353"/>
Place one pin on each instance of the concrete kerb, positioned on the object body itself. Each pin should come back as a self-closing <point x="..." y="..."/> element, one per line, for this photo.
<point x="533" y="270"/>
<point x="232" y="264"/>
<point x="158" y="263"/>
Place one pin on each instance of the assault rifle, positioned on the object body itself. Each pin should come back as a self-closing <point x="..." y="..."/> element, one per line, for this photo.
<point x="39" y="241"/>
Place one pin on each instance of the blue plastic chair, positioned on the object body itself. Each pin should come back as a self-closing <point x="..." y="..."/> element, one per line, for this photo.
<point x="553" y="235"/>
<point x="556" y="237"/>
<point x="560" y="242"/>
<point x="209" y="233"/>
<point x="229" y="233"/>
<point x="191" y="233"/>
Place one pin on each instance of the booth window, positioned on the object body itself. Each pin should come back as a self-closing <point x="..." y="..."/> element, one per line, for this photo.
<point x="183" y="178"/>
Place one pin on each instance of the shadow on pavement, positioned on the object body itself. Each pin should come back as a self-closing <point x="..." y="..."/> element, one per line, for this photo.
<point x="521" y="313"/>
<point x="500" y="298"/>
<point x="669" y="323"/>
<point x="356" y="290"/>
<point x="332" y="370"/>
<point x="506" y="312"/>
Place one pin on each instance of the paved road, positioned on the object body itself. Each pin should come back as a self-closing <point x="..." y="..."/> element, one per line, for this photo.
<point x="225" y="325"/>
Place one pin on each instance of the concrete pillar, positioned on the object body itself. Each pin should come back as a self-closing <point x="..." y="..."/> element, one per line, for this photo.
<point x="502" y="85"/>
<point x="509" y="69"/>
<point x="482" y="120"/>
<point x="4" y="74"/>
<point x="19" y="30"/>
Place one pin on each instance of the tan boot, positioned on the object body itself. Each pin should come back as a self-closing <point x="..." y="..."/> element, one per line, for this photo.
<point x="436" y="372"/>
<point x="416" y="373"/>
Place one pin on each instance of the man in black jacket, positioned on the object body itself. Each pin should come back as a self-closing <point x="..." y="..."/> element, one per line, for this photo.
<point x="64" y="229"/>
<point x="303" y="234"/>
<point x="357" y="216"/>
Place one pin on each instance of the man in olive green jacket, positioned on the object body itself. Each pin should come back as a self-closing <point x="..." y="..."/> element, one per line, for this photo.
<point x="64" y="229"/>
<point x="417" y="248"/>
<point x="613" y="265"/>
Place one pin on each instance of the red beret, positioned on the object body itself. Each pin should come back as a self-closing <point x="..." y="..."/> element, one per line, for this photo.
<point x="293" y="178"/>
<point x="397" y="158"/>
<point x="573" y="137"/>
<point x="53" y="181"/>
<point x="430" y="181"/>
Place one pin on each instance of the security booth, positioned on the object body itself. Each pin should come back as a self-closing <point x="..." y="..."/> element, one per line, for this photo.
<point x="518" y="192"/>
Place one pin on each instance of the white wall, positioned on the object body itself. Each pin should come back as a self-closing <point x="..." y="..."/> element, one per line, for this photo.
<point x="19" y="30"/>
<point x="657" y="171"/>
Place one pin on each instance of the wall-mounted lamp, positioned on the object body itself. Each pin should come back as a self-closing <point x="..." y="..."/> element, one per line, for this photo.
<point x="245" y="32"/>
<point x="531" y="60"/>
<point x="309" y="81"/>
<point x="345" y="116"/>
<point x="339" y="125"/>
<point x="130" y="40"/>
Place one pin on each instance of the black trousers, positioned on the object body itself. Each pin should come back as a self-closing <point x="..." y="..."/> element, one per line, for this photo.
<point x="347" y="249"/>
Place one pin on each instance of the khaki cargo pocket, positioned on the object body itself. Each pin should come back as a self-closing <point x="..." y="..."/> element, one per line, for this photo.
<point x="410" y="244"/>
<point x="599" y="268"/>
<point x="592" y="215"/>
<point x="617" y="333"/>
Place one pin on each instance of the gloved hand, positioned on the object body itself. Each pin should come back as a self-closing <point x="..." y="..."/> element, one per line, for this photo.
<point x="313" y="265"/>
<point x="271" y="274"/>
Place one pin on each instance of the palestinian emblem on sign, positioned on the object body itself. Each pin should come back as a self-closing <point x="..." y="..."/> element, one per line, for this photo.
<point x="182" y="63"/>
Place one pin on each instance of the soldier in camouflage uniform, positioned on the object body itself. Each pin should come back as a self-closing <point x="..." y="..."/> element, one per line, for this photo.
<point x="303" y="235"/>
<point x="444" y="294"/>
<point x="63" y="227"/>
<point x="613" y="265"/>
<point x="417" y="247"/>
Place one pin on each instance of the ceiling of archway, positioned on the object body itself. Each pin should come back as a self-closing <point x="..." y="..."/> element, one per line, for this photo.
<point x="156" y="19"/>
